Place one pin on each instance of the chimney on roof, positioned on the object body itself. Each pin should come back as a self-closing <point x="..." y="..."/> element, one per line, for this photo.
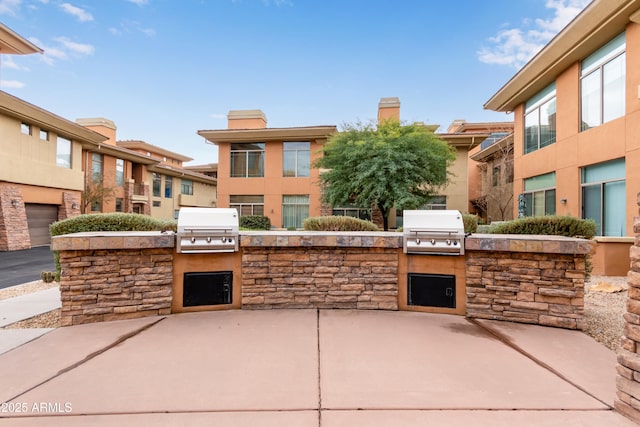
<point x="389" y="109"/>
<point x="246" y="119"/>
<point x="101" y="125"/>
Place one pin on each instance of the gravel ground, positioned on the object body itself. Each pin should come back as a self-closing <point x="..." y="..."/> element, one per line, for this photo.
<point x="602" y="310"/>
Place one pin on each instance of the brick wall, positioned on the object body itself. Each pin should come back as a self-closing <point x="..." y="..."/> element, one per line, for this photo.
<point x="628" y="378"/>
<point x="115" y="276"/>
<point x="70" y="206"/>
<point x="14" y="229"/>
<point x="310" y="277"/>
<point x="527" y="279"/>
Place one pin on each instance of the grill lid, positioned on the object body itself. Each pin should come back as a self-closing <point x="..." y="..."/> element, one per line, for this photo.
<point x="433" y="232"/>
<point x="202" y="230"/>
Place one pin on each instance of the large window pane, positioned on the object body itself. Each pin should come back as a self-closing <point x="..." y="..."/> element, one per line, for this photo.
<point x="550" y="202"/>
<point x="247" y="160"/>
<point x="168" y="187"/>
<point x="247" y="204"/>
<point x="289" y="164"/>
<point x="296" y="159"/>
<point x="238" y="164"/>
<point x="157" y="183"/>
<point x="614" y="86"/>
<point x="96" y="167"/>
<point x="614" y="211"/>
<point x="590" y="102"/>
<point x="119" y="172"/>
<point x="294" y="210"/>
<point x="63" y="153"/>
<point x="255" y="164"/>
<point x="548" y="123"/>
<point x="531" y="131"/>
<point x="591" y="205"/>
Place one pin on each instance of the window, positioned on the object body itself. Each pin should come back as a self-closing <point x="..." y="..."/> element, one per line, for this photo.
<point x="495" y="178"/>
<point x="247" y="205"/>
<point x="44" y="135"/>
<point x="437" y="203"/>
<point x="296" y="159"/>
<point x="96" y="206"/>
<point x="156" y="183"/>
<point x="187" y="187"/>
<point x="119" y="204"/>
<point x="352" y="211"/>
<point x="119" y="172"/>
<point x="156" y="203"/>
<point x="509" y="170"/>
<point x="604" y="196"/>
<point x="168" y="187"/>
<point x="294" y="210"/>
<point x="540" y="195"/>
<point x="247" y="160"/>
<point x="63" y="153"/>
<point x="540" y="120"/>
<point x="176" y="214"/>
<point x="96" y="167"/>
<point x="25" y="128"/>
<point x="602" y="84"/>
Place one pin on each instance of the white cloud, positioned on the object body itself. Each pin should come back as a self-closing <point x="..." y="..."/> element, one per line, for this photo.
<point x="9" y="63"/>
<point x="13" y="84"/>
<point x="81" y="14"/>
<point x="149" y="32"/>
<point x="515" y="46"/>
<point x="218" y="116"/>
<point x="9" y="7"/>
<point x="79" y="48"/>
<point x="64" y="50"/>
<point x="277" y="3"/>
<point x="139" y="2"/>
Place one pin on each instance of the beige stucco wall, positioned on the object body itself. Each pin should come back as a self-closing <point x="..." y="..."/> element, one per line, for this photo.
<point x="204" y="195"/>
<point x="20" y="150"/>
<point x="457" y="190"/>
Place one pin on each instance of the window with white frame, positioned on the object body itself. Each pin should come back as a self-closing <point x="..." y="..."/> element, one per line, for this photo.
<point x="296" y="160"/>
<point x="247" y="204"/>
<point x="63" y="152"/>
<point x="604" y="196"/>
<point x="437" y="203"/>
<point x="247" y="160"/>
<point x="540" y="120"/>
<point x="352" y="211"/>
<point x="540" y="195"/>
<point x="119" y="172"/>
<point x="602" y="84"/>
<point x="295" y="209"/>
<point x="96" y="167"/>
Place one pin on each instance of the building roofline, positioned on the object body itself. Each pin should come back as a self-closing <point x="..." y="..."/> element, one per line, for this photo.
<point x="268" y="134"/>
<point x="598" y="23"/>
<point x="493" y="149"/>
<point x="11" y="43"/>
<point x="22" y="110"/>
<point x="136" y="144"/>
<point x="466" y="139"/>
<point x="180" y="172"/>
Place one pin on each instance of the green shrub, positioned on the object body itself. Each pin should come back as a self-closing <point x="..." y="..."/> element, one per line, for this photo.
<point x="548" y="225"/>
<point x="106" y="222"/>
<point x="470" y="223"/>
<point x="255" y="222"/>
<point x="337" y="223"/>
<point x="110" y="222"/>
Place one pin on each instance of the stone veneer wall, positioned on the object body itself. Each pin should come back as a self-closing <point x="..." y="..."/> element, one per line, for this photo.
<point x="527" y="279"/>
<point x="14" y="230"/>
<point x="628" y="379"/>
<point x="320" y="270"/>
<point x="114" y="277"/>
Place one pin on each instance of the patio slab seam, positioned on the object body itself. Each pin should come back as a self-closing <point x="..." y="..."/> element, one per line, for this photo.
<point x="89" y="357"/>
<point x="509" y="343"/>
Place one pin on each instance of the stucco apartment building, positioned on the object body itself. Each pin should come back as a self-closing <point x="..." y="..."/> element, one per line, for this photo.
<point x="267" y="171"/>
<point x="576" y="108"/>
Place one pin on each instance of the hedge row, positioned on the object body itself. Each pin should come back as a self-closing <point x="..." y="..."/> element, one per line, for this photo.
<point x="553" y="225"/>
<point x="110" y="222"/>
<point x="255" y="222"/>
<point x="337" y="223"/>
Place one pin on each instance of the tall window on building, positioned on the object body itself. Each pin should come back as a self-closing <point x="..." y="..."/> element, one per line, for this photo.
<point x="186" y="187"/>
<point x="96" y="167"/>
<point x="119" y="172"/>
<point x="296" y="160"/>
<point x="540" y="120"/>
<point x="604" y="196"/>
<point x="63" y="152"/>
<point x="295" y="209"/>
<point x="247" y="160"/>
<point x="540" y="195"/>
<point x="602" y="84"/>
<point x="156" y="184"/>
<point x="247" y="205"/>
<point x="168" y="187"/>
<point x="119" y="204"/>
<point x="495" y="176"/>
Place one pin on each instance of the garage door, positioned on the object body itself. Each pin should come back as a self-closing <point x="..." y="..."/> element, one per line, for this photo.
<point x="39" y="217"/>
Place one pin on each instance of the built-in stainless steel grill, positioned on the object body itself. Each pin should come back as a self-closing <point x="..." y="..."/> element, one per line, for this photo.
<point x="433" y="232"/>
<point x="207" y="230"/>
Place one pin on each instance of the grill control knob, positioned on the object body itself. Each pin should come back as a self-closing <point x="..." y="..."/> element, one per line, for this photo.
<point x="209" y="239"/>
<point x="449" y="242"/>
<point x="417" y="241"/>
<point x="193" y="240"/>
<point x="455" y="243"/>
<point x="433" y="241"/>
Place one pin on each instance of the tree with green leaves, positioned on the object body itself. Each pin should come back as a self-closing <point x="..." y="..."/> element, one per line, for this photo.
<point x="391" y="165"/>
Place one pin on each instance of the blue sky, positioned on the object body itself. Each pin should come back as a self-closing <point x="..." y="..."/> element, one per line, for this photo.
<point x="164" y="69"/>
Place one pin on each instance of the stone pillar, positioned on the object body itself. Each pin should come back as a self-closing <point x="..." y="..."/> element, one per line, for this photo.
<point x="628" y="379"/>
<point x="70" y="206"/>
<point x="14" y="229"/>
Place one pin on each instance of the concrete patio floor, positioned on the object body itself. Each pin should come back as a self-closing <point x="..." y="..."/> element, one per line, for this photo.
<point x="309" y="368"/>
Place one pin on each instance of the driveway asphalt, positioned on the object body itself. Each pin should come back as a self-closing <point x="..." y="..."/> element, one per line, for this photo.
<point x="324" y="368"/>
<point x="18" y="267"/>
